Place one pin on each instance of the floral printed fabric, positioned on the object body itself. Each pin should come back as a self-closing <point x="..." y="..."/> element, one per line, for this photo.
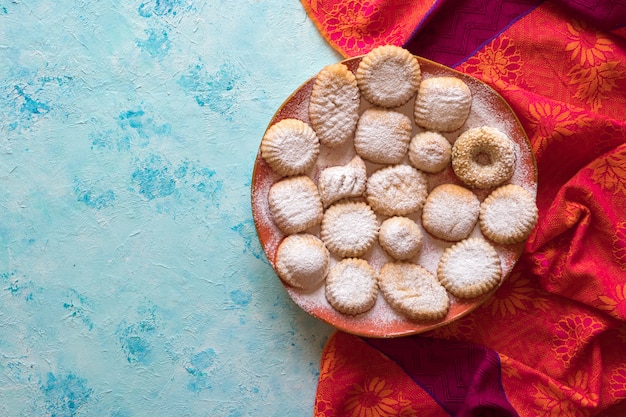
<point x="557" y="324"/>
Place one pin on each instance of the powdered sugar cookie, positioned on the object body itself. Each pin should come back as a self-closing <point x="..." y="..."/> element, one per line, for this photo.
<point x="430" y="152"/>
<point x="351" y="286"/>
<point x="302" y="261"/>
<point x="382" y="136"/>
<point x="388" y="76"/>
<point x="483" y="157"/>
<point x="295" y="204"/>
<point x="290" y="147"/>
<point x="334" y="105"/>
<point x="339" y="182"/>
<point x="413" y="291"/>
<point x="442" y="104"/>
<point x="450" y="212"/>
<point x="397" y="190"/>
<point x="400" y="237"/>
<point x="349" y="229"/>
<point x="469" y="268"/>
<point x="508" y="214"/>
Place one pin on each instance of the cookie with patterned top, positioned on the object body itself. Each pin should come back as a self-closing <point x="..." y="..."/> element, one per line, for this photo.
<point x="508" y="214"/>
<point x="344" y="181"/>
<point x="295" y="204"/>
<point x="469" y="268"/>
<point x="334" y="105"/>
<point x="349" y="229"/>
<point x="396" y="190"/>
<point x="450" y="212"/>
<point x="351" y="286"/>
<point x="442" y="104"/>
<point x="382" y="136"/>
<point x="413" y="291"/>
<point x="388" y="76"/>
<point x="290" y="147"/>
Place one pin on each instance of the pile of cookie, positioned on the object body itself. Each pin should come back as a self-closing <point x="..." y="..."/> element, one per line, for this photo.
<point x="331" y="220"/>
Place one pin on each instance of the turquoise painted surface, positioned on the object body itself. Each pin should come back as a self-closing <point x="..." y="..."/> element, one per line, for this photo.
<point x="132" y="282"/>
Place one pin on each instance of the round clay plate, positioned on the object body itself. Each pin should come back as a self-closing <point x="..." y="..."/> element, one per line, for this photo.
<point x="488" y="109"/>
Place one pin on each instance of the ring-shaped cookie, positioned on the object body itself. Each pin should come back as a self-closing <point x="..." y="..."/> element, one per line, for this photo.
<point x="483" y="157"/>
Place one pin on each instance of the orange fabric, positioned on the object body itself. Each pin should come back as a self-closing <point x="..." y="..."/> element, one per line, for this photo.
<point x="558" y="322"/>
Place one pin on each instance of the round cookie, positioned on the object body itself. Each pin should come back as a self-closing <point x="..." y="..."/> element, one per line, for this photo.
<point x="351" y="286"/>
<point x="302" y="261"/>
<point x="295" y="204"/>
<point x="382" y="136"/>
<point x="334" y="105"/>
<point x="508" y="214"/>
<point x="430" y="152"/>
<point x="397" y="190"/>
<point x="290" y="147"/>
<point x="483" y="157"/>
<point x="349" y="229"/>
<point x="450" y="212"/>
<point x="400" y="237"/>
<point x="442" y="104"/>
<point x="388" y="76"/>
<point x="469" y="268"/>
<point x="413" y="291"/>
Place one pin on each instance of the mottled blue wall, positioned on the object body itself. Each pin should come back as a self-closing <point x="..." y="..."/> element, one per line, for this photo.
<point x="132" y="282"/>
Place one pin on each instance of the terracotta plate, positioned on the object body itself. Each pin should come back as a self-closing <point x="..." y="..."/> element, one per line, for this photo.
<point x="488" y="108"/>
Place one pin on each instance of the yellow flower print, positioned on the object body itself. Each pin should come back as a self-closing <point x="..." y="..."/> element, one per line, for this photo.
<point x="552" y="402"/>
<point x="512" y="296"/>
<point x="371" y="400"/>
<point x="572" y="334"/>
<point x="617" y="383"/>
<point x="610" y="172"/>
<point x="578" y="389"/>
<point x="594" y="83"/>
<point x="551" y="122"/>
<point x="616" y="304"/>
<point x="587" y="45"/>
<point x="497" y="64"/>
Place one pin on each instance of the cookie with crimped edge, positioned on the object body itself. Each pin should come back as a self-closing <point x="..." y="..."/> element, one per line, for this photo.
<point x="469" y="268"/>
<point x="508" y="214"/>
<point x="344" y="181"/>
<point x="382" y="136"/>
<point x="400" y="237"/>
<point x="334" y="105"/>
<point x="349" y="229"/>
<point x="302" y="261"/>
<point x="397" y="190"/>
<point x="413" y="291"/>
<point x="483" y="157"/>
<point x="443" y="104"/>
<point x="290" y="147"/>
<point x="295" y="204"/>
<point x="450" y="212"/>
<point x="430" y="152"/>
<point x="388" y="76"/>
<point x="351" y="286"/>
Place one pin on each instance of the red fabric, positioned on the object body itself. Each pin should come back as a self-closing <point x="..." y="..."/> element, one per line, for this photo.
<point x="557" y="324"/>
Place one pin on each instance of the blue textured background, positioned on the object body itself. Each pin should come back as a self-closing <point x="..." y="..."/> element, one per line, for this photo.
<point x="132" y="282"/>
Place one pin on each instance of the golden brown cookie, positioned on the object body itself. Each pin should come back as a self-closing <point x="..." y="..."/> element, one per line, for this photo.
<point x="450" y="212"/>
<point x="413" y="291"/>
<point x="351" y="286"/>
<point x="295" y="204"/>
<point x="302" y="261"/>
<point x="483" y="157"/>
<point x="349" y="229"/>
<point x="397" y="190"/>
<point x="400" y="237"/>
<point x="469" y="268"/>
<point x="508" y="214"/>
<point x="430" y="152"/>
<point x="382" y="136"/>
<point x="334" y="105"/>
<point x="388" y="76"/>
<point x="442" y="104"/>
<point x="339" y="182"/>
<point x="290" y="147"/>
